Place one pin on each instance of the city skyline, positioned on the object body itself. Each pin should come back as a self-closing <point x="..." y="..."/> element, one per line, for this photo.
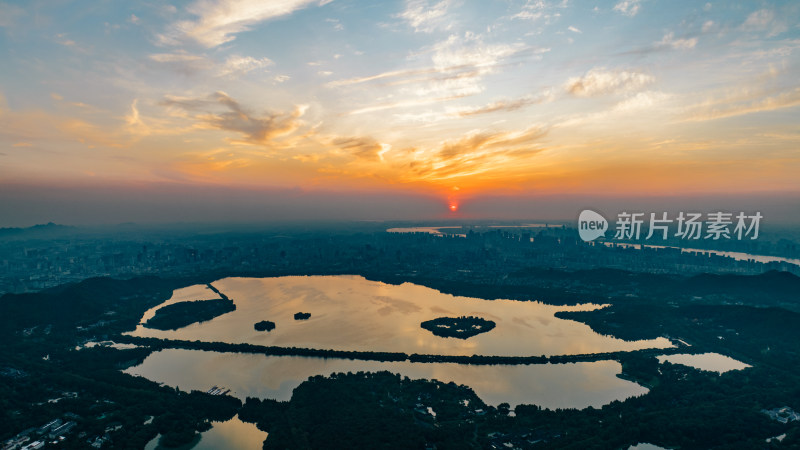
<point x="413" y="109"/>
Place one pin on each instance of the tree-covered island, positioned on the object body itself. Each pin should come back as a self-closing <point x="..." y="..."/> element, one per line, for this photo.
<point x="264" y="325"/>
<point x="458" y="327"/>
<point x="179" y="315"/>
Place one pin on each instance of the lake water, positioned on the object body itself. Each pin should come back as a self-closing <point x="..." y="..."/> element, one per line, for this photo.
<point x="352" y="313"/>
<point x="645" y="446"/>
<point x="573" y="385"/>
<point x="430" y="230"/>
<point x="437" y="231"/>
<point x="232" y="434"/>
<point x="713" y="362"/>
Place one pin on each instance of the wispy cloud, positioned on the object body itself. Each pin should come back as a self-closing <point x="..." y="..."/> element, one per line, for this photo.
<point x="237" y="65"/>
<point x="669" y="41"/>
<point x="540" y="11"/>
<point x="182" y="62"/>
<point x="642" y="101"/>
<point x="218" y="21"/>
<point x="504" y="105"/>
<point x="380" y="76"/>
<point x="470" y="50"/>
<point x="759" y="19"/>
<point x="628" y="7"/>
<point x="744" y="101"/>
<point x="221" y="112"/>
<point x="134" y="119"/>
<point x="467" y="59"/>
<point x="402" y="104"/>
<point x="365" y="148"/>
<point x="66" y="41"/>
<point x="466" y="56"/>
<point x="459" y="64"/>
<point x="601" y="82"/>
<point x="426" y="16"/>
<point x="175" y="57"/>
<point x="139" y="126"/>
<point x="337" y="24"/>
<point x="233" y="67"/>
<point x="765" y="20"/>
<point x="478" y="152"/>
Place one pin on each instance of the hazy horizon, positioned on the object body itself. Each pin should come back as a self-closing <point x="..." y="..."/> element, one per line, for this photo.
<point x="175" y="203"/>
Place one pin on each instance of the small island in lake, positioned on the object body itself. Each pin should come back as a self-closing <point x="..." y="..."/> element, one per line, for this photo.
<point x="181" y="314"/>
<point x="301" y="316"/>
<point x="458" y="327"/>
<point x="264" y="325"/>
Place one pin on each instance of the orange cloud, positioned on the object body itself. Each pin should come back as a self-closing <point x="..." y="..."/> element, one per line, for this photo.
<point x="221" y="112"/>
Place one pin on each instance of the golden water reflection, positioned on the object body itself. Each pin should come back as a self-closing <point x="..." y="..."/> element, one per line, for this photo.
<point x="232" y="435"/>
<point x="352" y="313"/>
<point x="573" y="385"/>
<point x="712" y="362"/>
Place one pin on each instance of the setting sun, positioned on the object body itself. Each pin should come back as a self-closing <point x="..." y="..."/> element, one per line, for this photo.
<point x="500" y="100"/>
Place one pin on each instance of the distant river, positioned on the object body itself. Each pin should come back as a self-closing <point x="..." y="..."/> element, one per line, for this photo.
<point x="738" y="256"/>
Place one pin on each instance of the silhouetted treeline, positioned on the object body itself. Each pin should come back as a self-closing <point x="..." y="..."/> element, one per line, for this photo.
<point x="158" y="344"/>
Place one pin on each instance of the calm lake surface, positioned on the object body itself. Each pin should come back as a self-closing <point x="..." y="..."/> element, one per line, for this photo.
<point x="232" y="434"/>
<point x="712" y="362"/>
<point x="573" y="385"/>
<point x="352" y="313"/>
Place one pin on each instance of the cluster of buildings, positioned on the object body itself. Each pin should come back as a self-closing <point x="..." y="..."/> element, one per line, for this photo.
<point x="52" y="432"/>
<point x="783" y="415"/>
<point x="55" y="432"/>
<point x="33" y="264"/>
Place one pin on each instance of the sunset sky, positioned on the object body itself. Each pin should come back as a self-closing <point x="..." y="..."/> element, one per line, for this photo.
<point x="445" y="100"/>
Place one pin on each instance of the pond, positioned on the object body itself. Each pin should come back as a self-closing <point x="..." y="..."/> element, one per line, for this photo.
<point x="712" y="362"/>
<point x="232" y="434"/>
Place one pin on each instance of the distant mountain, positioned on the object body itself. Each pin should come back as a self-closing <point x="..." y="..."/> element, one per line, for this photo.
<point x="41" y="230"/>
